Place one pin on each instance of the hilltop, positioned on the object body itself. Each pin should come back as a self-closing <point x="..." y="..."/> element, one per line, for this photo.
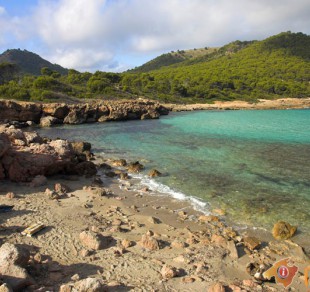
<point x="28" y="62"/>
<point x="276" y="67"/>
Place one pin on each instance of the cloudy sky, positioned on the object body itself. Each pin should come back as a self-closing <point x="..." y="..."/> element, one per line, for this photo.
<point x="114" y="35"/>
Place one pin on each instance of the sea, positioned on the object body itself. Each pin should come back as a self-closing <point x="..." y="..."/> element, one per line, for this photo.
<point x="253" y="164"/>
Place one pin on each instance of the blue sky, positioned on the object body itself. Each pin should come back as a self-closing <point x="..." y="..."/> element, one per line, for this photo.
<point x="115" y="35"/>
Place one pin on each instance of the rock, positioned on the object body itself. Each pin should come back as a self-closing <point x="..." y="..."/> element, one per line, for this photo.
<point x="13" y="255"/>
<point x="209" y="218"/>
<point x="183" y="215"/>
<point x="85" y="168"/>
<point x="89" y="285"/>
<point x="5" y="288"/>
<point x="80" y="147"/>
<point x="168" y="272"/>
<point x="154" y="173"/>
<point x="61" y="188"/>
<point x="38" y="181"/>
<point x="249" y="283"/>
<point x="283" y="230"/>
<point x="52" y="195"/>
<point x="153" y="220"/>
<point x="33" y="137"/>
<point x="123" y="176"/>
<point x="119" y="162"/>
<point x="10" y="195"/>
<point x="231" y="247"/>
<point x="48" y="121"/>
<point x="149" y="242"/>
<point x="93" y="240"/>
<point x="251" y="243"/>
<point x="4" y="144"/>
<point x="12" y="260"/>
<point x="135" y="167"/>
<point x="75" y="277"/>
<point x="217" y="287"/>
<point x="59" y="111"/>
<point x="177" y="244"/>
<point x="219" y="240"/>
<point x="188" y="280"/>
<point x="126" y="243"/>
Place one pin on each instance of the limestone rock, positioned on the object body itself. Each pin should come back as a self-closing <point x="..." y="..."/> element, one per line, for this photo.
<point x="85" y="285"/>
<point x="135" y="167"/>
<point x="283" y="230"/>
<point x="93" y="240"/>
<point x="33" y="137"/>
<point x="217" y="287"/>
<point x="119" y="162"/>
<point x="48" y="121"/>
<point x="168" y="272"/>
<point x="61" y="188"/>
<point x="5" y="288"/>
<point x="251" y="243"/>
<point x="149" y="242"/>
<point x="154" y="173"/>
<point x="39" y="180"/>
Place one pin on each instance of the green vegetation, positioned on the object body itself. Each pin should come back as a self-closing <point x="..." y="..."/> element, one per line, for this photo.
<point x="276" y="67"/>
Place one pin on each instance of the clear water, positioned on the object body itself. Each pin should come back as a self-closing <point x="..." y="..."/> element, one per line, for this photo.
<point x="253" y="164"/>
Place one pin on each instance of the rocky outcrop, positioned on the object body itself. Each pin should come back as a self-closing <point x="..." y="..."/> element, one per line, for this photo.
<point x="24" y="155"/>
<point x="79" y="113"/>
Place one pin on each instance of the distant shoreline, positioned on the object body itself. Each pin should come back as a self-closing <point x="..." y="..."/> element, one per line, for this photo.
<point x="282" y="103"/>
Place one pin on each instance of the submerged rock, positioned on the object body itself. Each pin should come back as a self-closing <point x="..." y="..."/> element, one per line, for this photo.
<point x="283" y="230"/>
<point x="154" y="173"/>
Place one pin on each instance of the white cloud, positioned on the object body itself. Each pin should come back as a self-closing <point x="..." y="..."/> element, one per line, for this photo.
<point x="95" y="34"/>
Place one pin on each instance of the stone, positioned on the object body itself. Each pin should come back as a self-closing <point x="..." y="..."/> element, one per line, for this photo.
<point x="52" y="195"/>
<point x="188" y="280"/>
<point x="149" y="242"/>
<point x="12" y="260"/>
<point x="48" y="121"/>
<point x="216" y="287"/>
<point x="33" y="137"/>
<point x="92" y="240"/>
<point x="123" y="176"/>
<point x="38" y="181"/>
<point x="80" y="147"/>
<point x="249" y="283"/>
<point x="154" y="173"/>
<point x="5" y="288"/>
<point x="135" y="167"/>
<point x="231" y="247"/>
<point x="10" y="195"/>
<point x="283" y="230"/>
<point x="119" y="162"/>
<point x="251" y="242"/>
<point x="177" y="244"/>
<point x="168" y="272"/>
<point x="153" y="220"/>
<point x="126" y="243"/>
<point x="4" y="144"/>
<point x="61" y="188"/>
<point x="89" y="285"/>
<point x="208" y="218"/>
<point x="219" y="240"/>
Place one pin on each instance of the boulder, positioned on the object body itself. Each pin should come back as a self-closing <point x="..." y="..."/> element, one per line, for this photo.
<point x="85" y="285"/>
<point x="283" y="230"/>
<point x="216" y="287"/>
<point x="154" y="173"/>
<point x="49" y="121"/>
<point x="61" y="188"/>
<point x="33" y="137"/>
<point x="12" y="260"/>
<point x="119" y="162"/>
<point x="4" y="144"/>
<point x="168" y="272"/>
<point x="149" y="242"/>
<point x="135" y="167"/>
<point x="80" y="147"/>
<point x="38" y="181"/>
<point x="5" y="288"/>
<point x="92" y="240"/>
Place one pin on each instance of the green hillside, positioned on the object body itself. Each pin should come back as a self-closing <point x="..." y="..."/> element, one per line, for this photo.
<point x="28" y="62"/>
<point x="277" y="66"/>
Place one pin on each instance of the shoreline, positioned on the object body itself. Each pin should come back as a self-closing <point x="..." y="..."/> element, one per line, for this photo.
<point x="203" y="250"/>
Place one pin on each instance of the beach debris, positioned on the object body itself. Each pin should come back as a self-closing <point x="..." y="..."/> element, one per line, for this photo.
<point x="283" y="230"/>
<point x="38" y="181"/>
<point x="92" y="240"/>
<point x="6" y="208"/>
<point x="33" y="229"/>
<point x="10" y="195"/>
<point x="149" y="242"/>
<point x="251" y="243"/>
<point x="154" y="173"/>
<point x="168" y="272"/>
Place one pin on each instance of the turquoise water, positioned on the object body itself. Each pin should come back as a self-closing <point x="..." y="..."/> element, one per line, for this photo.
<point x="253" y="164"/>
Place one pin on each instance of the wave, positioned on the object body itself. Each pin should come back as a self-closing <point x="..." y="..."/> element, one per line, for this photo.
<point x="162" y="189"/>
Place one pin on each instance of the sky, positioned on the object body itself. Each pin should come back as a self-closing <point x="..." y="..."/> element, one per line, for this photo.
<point x="116" y="35"/>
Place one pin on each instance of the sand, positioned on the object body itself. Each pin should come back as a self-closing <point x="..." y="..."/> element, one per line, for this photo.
<point x="202" y="253"/>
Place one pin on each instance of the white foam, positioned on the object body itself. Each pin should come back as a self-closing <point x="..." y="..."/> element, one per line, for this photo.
<point x="162" y="189"/>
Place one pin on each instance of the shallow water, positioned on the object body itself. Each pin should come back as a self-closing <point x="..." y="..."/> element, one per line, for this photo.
<point x="253" y="164"/>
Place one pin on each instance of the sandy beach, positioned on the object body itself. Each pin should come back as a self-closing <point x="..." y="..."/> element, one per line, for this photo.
<point x="151" y="242"/>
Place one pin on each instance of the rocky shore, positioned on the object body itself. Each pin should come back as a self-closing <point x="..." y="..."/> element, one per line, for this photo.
<point x="49" y="114"/>
<point x="105" y="232"/>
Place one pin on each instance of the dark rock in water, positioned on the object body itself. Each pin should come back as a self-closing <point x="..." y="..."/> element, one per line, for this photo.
<point x="154" y="173"/>
<point x="135" y="167"/>
<point x="49" y="121"/>
<point x="80" y="147"/>
<point x="283" y="230"/>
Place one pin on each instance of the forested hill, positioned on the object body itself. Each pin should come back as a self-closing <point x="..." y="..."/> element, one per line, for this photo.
<point x="28" y="62"/>
<point x="277" y="66"/>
